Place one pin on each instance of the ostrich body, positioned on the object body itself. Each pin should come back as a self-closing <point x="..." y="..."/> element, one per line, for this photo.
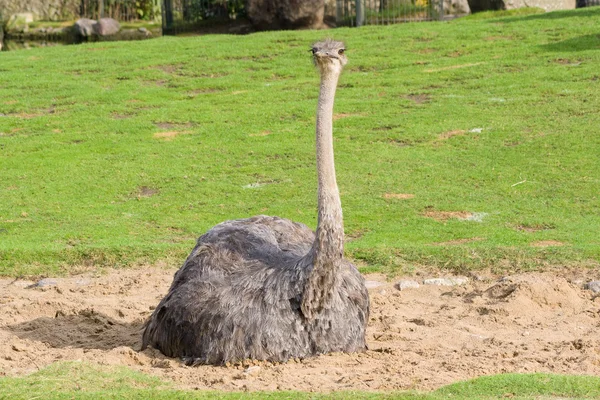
<point x="268" y="288"/>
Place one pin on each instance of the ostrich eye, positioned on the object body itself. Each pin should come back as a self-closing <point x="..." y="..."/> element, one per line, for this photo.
<point x="341" y="51"/>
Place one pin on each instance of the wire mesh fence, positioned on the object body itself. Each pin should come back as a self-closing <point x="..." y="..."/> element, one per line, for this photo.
<point x="587" y="3"/>
<point x="121" y="10"/>
<point x="182" y="15"/>
<point x="382" y="12"/>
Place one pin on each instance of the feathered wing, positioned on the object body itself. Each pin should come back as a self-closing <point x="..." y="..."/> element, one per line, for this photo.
<point x="238" y="296"/>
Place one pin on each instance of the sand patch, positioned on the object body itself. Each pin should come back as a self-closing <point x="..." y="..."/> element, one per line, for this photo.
<point x="446" y="215"/>
<point x="421" y="338"/>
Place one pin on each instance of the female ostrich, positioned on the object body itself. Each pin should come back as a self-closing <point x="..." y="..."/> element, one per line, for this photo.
<point x="268" y="288"/>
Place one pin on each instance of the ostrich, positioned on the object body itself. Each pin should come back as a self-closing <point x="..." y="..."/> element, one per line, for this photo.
<point x="267" y="288"/>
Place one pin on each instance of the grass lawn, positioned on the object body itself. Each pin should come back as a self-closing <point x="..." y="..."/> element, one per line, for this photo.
<point x="459" y="145"/>
<point x="76" y="380"/>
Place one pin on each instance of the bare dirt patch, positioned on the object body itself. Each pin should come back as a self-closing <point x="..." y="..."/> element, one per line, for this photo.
<point x="534" y="227"/>
<point x="449" y="134"/>
<point x="547" y="243"/>
<point x="262" y="133"/>
<point x="145" y="191"/>
<point x="418" y="338"/>
<point x="495" y="38"/>
<point x="169" y="135"/>
<point x="401" y="196"/>
<point x="446" y="215"/>
<point x="342" y="115"/>
<point x="173" y="125"/>
<point x="459" y="241"/>
<point x="418" y="98"/>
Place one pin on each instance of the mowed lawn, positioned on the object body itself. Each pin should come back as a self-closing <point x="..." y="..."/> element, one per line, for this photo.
<point x="460" y="145"/>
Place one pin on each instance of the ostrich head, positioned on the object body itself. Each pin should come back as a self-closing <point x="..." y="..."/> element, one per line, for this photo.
<point x="329" y="55"/>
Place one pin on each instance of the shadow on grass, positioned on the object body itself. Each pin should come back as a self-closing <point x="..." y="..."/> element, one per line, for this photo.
<point x="580" y="43"/>
<point x="85" y="330"/>
<point x="591" y="12"/>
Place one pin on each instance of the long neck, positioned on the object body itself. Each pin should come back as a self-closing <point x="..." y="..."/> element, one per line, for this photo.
<point x="328" y="248"/>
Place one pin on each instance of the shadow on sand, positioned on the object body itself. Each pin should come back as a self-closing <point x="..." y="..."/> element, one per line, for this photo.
<point x="86" y="330"/>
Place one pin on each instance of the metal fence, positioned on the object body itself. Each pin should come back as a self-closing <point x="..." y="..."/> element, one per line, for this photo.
<point x="121" y="10"/>
<point x="587" y="3"/>
<point x="182" y="15"/>
<point x="382" y="12"/>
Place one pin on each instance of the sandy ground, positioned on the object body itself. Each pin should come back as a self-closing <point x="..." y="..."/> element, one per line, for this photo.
<point x="419" y="338"/>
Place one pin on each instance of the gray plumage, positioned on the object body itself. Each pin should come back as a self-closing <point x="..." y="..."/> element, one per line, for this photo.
<point x="268" y="288"/>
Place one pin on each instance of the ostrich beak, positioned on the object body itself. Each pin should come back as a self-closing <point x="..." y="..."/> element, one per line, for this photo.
<point x="324" y="54"/>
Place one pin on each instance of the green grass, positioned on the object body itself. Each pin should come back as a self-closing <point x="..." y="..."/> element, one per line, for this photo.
<point x="76" y="380"/>
<point x="84" y="182"/>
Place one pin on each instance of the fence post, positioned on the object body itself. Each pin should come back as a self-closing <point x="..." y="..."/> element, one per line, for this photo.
<point x="167" y="16"/>
<point x="360" y="13"/>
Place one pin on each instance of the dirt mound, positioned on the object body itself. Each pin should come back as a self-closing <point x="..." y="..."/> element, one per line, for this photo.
<point x="418" y="338"/>
<point x="530" y="296"/>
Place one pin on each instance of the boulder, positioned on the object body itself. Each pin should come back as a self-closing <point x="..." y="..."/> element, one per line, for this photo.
<point x="106" y="27"/>
<point x="263" y="14"/>
<point x="456" y="7"/>
<point x="84" y="27"/>
<point x="302" y="13"/>
<point x="285" y="14"/>
<point x="546" y="5"/>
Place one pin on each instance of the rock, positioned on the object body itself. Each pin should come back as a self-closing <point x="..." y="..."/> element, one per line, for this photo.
<point x="164" y="363"/>
<point x="594" y="286"/>
<point x="19" y="22"/>
<point x="406" y="284"/>
<point x="82" y="281"/>
<point x="46" y="10"/>
<point x="285" y="14"/>
<point x="302" y="13"/>
<point x="373" y="284"/>
<point x="263" y="13"/>
<point x="43" y="283"/>
<point x="546" y="5"/>
<point x="84" y="27"/>
<point x="106" y="27"/>
<point x="456" y="7"/>
<point x="144" y="32"/>
<point x="446" y="281"/>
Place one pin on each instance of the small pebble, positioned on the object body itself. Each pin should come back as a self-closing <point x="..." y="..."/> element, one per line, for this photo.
<point x="406" y="284"/>
<point x="446" y="281"/>
<point x="373" y="284"/>
<point x="43" y="283"/>
<point x="82" y="282"/>
<point x="594" y="286"/>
